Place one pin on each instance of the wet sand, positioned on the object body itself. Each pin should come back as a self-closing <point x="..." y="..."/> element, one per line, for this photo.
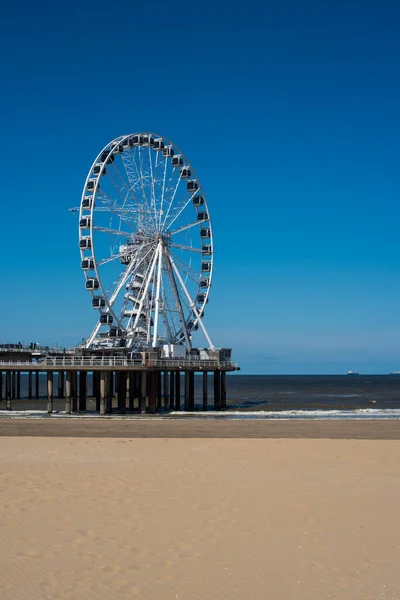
<point x="155" y="427"/>
<point x="198" y="519"/>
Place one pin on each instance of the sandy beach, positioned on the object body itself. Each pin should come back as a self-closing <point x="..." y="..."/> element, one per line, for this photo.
<point x="199" y="518"/>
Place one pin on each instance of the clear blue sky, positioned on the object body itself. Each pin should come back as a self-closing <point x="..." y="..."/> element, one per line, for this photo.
<point x="289" y="112"/>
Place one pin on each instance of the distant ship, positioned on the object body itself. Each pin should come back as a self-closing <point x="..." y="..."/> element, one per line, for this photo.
<point x="395" y="373"/>
<point x="352" y="373"/>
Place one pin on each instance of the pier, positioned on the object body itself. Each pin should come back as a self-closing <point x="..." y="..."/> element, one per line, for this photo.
<point x="118" y="385"/>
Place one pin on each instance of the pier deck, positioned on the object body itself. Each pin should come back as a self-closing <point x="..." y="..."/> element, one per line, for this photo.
<point x="148" y="385"/>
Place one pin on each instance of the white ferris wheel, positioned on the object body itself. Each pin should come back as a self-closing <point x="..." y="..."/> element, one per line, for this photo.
<point x="146" y="244"/>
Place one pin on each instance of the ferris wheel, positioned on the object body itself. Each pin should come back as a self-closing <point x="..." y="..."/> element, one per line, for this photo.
<point x="146" y="244"/>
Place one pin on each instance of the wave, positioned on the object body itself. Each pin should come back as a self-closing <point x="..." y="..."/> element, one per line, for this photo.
<point x="358" y="414"/>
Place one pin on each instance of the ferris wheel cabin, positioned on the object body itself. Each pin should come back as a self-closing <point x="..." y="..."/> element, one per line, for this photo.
<point x="177" y="161"/>
<point x="168" y="152"/>
<point x="106" y="319"/>
<point x="85" y="243"/>
<point x="185" y="172"/>
<point x="84" y="223"/>
<point x="98" y="302"/>
<point x="87" y="264"/>
<point x="97" y="169"/>
<point x="192" y="185"/>
<point x="107" y="156"/>
<point x="92" y="284"/>
<point x="87" y="202"/>
<point x="158" y="144"/>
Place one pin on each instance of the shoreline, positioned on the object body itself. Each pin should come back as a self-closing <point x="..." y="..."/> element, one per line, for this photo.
<point x="155" y="427"/>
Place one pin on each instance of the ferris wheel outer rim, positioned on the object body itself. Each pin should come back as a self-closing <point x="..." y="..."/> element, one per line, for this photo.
<point x="91" y="175"/>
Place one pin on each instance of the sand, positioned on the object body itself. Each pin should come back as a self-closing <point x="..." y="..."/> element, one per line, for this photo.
<point x="194" y="519"/>
<point x="155" y="427"/>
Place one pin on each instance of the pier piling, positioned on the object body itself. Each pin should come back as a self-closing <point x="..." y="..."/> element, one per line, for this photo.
<point x="166" y="391"/>
<point x="49" y="392"/>
<point x="60" y="383"/>
<point x="205" y="391"/>
<point x="131" y="393"/>
<point x="171" y="390"/>
<point x="223" y="389"/>
<point x="191" y="390"/>
<point x="109" y="392"/>
<point x="30" y="385"/>
<point x="152" y="392"/>
<point x="68" y="385"/>
<point x="217" y="390"/>
<point x="186" y="392"/>
<point x="96" y="389"/>
<point x="8" y="390"/>
<point x="158" y="389"/>
<point x="143" y="392"/>
<point x="74" y="391"/>
<point x="82" y="390"/>
<point x="102" y="393"/>
<point x="122" y="388"/>
<point x="177" y="390"/>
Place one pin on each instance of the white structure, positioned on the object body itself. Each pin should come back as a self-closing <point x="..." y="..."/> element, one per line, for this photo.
<point x="173" y="351"/>
<point x="146" y="244"/>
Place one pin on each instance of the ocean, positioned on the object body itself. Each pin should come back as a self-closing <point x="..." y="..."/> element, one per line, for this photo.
<point x="274" y="396"/>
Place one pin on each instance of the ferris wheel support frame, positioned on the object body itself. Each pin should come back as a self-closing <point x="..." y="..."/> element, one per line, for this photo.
<point x="191" y="303"/>
<point x="177" y="301"/>
<point x="157" y="307"/>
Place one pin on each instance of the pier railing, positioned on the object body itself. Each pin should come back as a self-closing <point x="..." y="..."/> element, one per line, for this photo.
<point x="117" y="361"/>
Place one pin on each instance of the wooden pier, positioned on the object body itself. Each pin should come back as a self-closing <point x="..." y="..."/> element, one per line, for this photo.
<point x="137" y="387"/>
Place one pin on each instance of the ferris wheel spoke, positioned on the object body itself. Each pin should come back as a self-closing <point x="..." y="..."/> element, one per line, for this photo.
<point x="117" y="189"/>
<point x="163" y="189"/>
<point x="107" y="200"/>
<point x="146" y="287"/>
<point x="165" y="311"/>
<point x="111" y="205"/>
<point x="177" y="299"/>
<point x="187" y="269"/>
<point x="122" y="215"/>
<point x="181" y="209"/>
<point x="126" y="182"/>
<point x="142" y="187"/>
<point x="95" y="331"/>
<point x="129" y="271"/>
<point x="175" y="231"/>
<point x="136" y="299"/>
<point x="133" y="251"/>
<point x="104" y="261"/>
<point x="152" y="194"/>
<point x="112" y="231"/>
<point x="188" y="248"/>
<point x="129" y="166"/>
<point x="172" y="200"/>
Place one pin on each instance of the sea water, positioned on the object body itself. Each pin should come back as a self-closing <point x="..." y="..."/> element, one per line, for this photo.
<point x="267" y="397"/>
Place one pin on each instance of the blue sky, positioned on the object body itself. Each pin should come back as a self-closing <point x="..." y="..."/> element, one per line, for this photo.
<point x="290" y="114"/>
